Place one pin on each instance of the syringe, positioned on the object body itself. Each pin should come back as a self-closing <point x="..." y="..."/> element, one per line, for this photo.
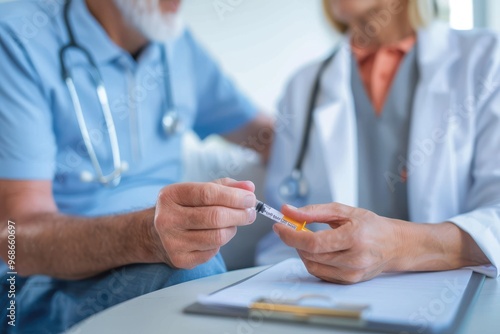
<point x="278" y="217"/>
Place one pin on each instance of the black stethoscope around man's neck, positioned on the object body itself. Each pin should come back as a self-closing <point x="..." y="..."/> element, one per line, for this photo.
<point x="170" y="121"/>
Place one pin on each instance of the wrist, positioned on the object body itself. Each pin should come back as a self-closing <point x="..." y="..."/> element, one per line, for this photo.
<point x="147" y="238"/>
<point x="441" y="246"/>
<point x="402" y="252"/>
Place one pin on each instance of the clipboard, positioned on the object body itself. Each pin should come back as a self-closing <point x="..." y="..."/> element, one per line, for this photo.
<point x="342" y="315"/>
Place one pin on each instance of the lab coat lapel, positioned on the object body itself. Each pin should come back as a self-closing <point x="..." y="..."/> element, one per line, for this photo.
<point x="335" y="121"/>
<point x="428" y="159"/>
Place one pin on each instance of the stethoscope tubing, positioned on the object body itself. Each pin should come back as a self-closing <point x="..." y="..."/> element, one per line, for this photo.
<point x="115" y="176"/>
<point x="313" y="100"/>
<point x="295" y="186"/>
<point x="170" y="120"/>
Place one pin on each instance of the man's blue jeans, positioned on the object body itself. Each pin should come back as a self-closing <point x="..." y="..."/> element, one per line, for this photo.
<point x="47" y="305"/>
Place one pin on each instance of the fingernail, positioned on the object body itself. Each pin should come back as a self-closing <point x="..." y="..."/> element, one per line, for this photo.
<point x="252" y="215"/>
<point x="249" y="201"/>
<point x="291" y="206"/>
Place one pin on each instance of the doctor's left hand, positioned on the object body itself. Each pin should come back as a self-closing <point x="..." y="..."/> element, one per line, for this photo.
<point x="359" y="246"/>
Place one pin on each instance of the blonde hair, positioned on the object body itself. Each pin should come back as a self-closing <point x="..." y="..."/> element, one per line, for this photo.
<point x="420" y="14"/>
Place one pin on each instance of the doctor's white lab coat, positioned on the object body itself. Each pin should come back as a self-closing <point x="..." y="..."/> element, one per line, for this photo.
<point x="454" y="142"/>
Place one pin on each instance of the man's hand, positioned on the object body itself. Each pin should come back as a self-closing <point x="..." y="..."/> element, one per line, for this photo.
<point x="188" y="225"/>
<point x="361" y="244"/>
<point x="193" y="220"/>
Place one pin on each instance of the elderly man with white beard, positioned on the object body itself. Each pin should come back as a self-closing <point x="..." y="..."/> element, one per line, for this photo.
<point x="94" y="101"/>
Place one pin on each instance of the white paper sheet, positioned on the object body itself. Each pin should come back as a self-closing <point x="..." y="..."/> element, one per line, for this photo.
<point x="417" y="299"/>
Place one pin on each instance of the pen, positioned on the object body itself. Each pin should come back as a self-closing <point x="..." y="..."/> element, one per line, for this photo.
<point x="278" y="217"/>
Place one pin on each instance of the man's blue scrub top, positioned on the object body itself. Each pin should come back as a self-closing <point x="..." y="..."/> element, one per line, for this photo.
<point x="39" y="134"/>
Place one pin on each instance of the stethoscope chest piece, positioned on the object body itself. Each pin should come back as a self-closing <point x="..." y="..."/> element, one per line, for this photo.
<point x="294" y="188"/>
<point x="171" y="122"/>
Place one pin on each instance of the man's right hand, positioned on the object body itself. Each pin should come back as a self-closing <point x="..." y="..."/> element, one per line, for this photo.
<point x="193" y="220"/>
<point x="189" y="224"/>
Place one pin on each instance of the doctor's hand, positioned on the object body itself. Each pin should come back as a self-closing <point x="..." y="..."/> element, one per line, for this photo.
<point x="359" y="246"/>
<point x="193" y="220"/>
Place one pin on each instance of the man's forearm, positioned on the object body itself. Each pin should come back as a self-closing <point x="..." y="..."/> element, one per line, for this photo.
<point x="441" y="246"/>
<point x="71" y="247"/>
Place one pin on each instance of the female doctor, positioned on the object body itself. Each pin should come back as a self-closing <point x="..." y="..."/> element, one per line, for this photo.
<point x="403" y="142"/>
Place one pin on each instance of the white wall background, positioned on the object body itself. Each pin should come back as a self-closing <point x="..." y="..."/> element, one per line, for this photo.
<point x="260" y="42"/>
<point x="493" y="13"/>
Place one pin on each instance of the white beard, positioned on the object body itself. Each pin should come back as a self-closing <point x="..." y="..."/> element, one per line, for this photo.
<point x="146" y="16"/>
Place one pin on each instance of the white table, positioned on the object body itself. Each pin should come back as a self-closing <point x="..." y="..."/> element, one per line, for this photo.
<point x="161" y="312"/>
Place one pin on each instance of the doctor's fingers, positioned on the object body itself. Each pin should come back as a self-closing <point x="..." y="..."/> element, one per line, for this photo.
<point x="322" y="213"/>
<point x="325" y="241"/>
<point x="339" y="275"/>
<point x="206" y="194"/>
<point x="347" y="260"/>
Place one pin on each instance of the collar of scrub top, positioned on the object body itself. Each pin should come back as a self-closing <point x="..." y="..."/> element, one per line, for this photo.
<point x="103" y="50"/>
<point x="98" y="48"/>
<point x="90" y="35"/>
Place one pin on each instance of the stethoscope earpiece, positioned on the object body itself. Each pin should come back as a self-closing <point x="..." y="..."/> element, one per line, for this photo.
<point x="124" y="166"/>
<point x="114" y="178"/>
<point x="86" y="176"/>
